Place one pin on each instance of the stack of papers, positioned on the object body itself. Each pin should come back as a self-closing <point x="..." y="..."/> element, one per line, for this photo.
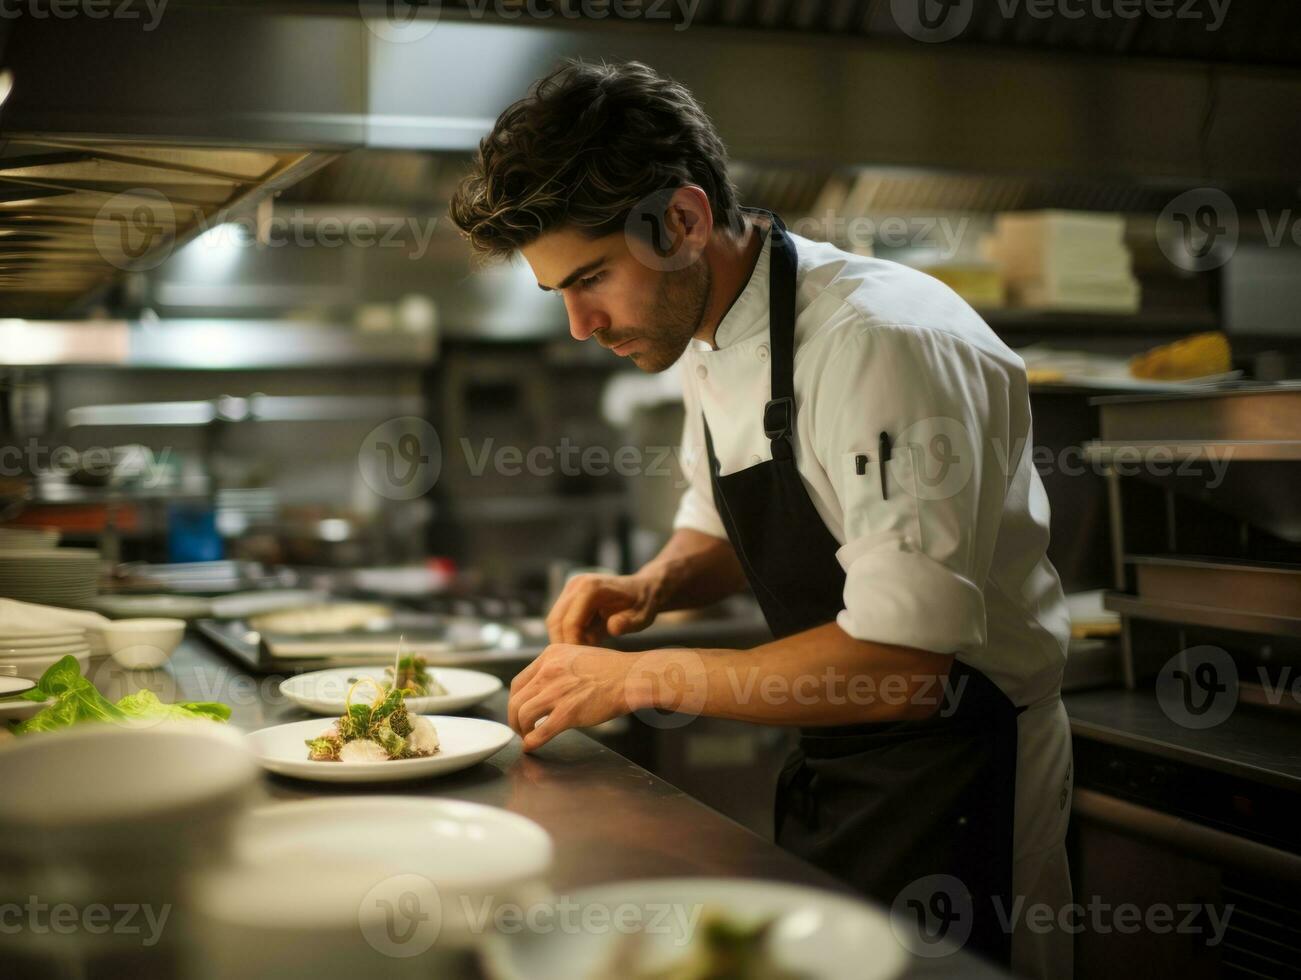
<point x="1072" y="261"/>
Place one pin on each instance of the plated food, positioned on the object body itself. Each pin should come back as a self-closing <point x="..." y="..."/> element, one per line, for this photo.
<point x="705" y="929"/>
<point x="446" y="689"/>
<point x="377" y="729"/>
<point x="462" y="742"/>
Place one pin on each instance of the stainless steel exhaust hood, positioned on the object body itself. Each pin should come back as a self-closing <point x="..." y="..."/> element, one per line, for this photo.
<point x="216" y="109"/>
<point x="122" y="140"/>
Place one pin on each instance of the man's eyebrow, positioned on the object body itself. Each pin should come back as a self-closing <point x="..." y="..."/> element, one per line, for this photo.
<point x="577" y="274"/>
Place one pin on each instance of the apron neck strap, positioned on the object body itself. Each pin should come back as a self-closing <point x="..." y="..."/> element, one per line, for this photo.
<point x="779" y="412"/>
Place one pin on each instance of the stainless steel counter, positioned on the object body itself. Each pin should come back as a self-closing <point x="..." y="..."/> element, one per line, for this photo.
<point x="610" y="819"/>
<point x="1252" y="743"/>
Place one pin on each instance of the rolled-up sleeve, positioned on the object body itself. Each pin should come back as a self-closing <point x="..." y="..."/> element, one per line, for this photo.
<point x="916" y="556"/>
<point x="696" y="509"/>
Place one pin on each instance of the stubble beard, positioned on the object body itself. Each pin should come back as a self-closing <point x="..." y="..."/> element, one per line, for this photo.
<point x="675" y="317"/>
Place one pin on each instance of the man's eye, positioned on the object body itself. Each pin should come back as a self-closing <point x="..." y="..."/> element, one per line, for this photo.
<point x="591" y="281"/>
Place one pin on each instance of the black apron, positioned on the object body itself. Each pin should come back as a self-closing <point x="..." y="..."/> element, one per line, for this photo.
<point x="884" y="806"/>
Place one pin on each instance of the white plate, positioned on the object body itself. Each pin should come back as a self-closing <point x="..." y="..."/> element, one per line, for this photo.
<point x="16" y="709"/>
<point x="326" y="691"/>
<point x="462" y="743"/>
<point x="448" y="841"/>
<point x="34" y="667"/>
<point x="822" y="935"/>
<point x="8" y="653"/>
<point x="16" y="641"/>
<point x="15" y="685"/>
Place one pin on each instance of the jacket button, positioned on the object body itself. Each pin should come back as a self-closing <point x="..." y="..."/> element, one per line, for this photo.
<point x="755" y="460"/>
<point x="763" y="352"/>
<point x="701" y="371"/>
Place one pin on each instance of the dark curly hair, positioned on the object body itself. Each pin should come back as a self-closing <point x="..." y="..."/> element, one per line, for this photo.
<point x="586" y="145"/>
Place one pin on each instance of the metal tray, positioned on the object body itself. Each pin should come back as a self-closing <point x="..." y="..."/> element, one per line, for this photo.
<point x="443" y="640"/>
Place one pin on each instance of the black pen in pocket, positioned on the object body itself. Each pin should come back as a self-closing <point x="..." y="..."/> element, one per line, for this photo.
<point x="883" y="455"/>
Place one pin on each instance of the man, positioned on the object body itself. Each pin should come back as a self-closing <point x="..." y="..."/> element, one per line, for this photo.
<point x="865" y="452"/>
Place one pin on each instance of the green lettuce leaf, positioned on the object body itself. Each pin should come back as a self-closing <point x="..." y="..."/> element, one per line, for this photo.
<point x="145" y="704"/>
<point x="77" y="700"/>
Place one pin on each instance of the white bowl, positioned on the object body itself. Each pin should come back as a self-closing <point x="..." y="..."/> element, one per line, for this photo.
<point x="142" y="644"/>
<point x="169" y="788"/>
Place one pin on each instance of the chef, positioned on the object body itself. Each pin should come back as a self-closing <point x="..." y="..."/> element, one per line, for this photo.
<point x="859" y="448"/>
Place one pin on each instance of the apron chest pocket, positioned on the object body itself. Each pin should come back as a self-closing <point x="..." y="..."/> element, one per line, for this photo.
<point x="868" y="511"/>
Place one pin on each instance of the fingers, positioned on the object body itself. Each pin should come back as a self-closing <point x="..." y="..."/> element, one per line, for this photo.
<point x="560" y="719"/>
<point x="517" y="686"/>
<point x="628" y="621"/>
<point x="534" y="709"/>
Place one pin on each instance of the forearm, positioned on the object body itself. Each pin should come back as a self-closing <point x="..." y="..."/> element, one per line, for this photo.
<point x="821" y="676"/>
<point x="693" y="569"/>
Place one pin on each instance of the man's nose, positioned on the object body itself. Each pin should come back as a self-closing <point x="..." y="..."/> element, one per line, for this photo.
<point x="584" y="320"/>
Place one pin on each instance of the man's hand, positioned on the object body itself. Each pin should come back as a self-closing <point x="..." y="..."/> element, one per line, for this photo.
<point x="570" y="687"/>
<point x="594" y="607"/>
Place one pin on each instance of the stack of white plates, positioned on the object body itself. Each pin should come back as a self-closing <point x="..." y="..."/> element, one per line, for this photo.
<point x="54" y="577"/>
<point x="34" y="652"/>
<point x="28" y="538"/>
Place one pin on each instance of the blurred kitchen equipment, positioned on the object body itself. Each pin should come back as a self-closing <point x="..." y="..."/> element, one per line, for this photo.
<point x="449" y="640"/>
<point x="1206" y="530"/>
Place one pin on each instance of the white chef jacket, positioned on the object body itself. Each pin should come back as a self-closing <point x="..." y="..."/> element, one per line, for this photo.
<point x="952" y="557"/>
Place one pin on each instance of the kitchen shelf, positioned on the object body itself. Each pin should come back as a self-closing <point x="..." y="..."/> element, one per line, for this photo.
<point x="1196" y="615"/>
<point x="1231" y="450"/>
<point x="1154" y="321"/>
